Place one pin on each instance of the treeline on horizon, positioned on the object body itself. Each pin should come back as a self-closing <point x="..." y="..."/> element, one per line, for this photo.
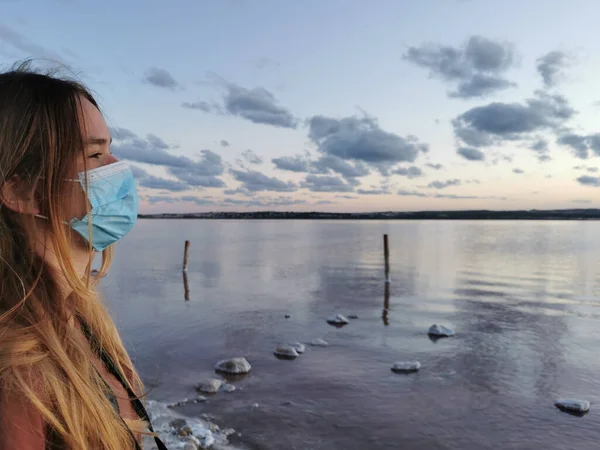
<point x="564" y="214"/>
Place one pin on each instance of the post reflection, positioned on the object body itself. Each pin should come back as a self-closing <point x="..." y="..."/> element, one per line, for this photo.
<point x="386" y="304"/>
<point x="186" y="287"/>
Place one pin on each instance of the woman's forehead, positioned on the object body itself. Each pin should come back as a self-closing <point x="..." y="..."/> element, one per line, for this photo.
<point x="95" y="127"/>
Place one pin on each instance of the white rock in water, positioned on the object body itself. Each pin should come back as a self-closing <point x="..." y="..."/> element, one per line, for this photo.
<point x="190" y="446"/>
<point x="228" y="388"/>
<point x="234" y="366"/>
<point x="440" y="331"/>
<point x="299" y="347"/>
<point x="573" y="405"/>
<point x="286" y="351"/>
<point x="406" y="366"/>
<point x="337" y="320"/>
<point x="209" y="386"/>
<point x="319" y="343"/>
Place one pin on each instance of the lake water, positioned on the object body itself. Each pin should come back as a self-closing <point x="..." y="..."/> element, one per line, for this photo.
<point x="524" y="298"/>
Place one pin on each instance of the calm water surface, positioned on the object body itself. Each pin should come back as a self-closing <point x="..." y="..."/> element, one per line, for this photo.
<point x="524" y="298"/>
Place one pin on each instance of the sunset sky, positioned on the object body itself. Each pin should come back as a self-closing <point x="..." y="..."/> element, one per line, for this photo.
<point x="336" y="105"/>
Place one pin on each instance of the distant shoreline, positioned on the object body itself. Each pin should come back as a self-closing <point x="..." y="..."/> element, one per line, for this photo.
<point x="561" y="214"/>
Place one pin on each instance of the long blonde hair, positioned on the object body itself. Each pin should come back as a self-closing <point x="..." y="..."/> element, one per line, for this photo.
<point x="42" y="357"/>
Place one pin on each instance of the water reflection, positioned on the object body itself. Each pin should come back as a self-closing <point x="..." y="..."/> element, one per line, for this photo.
<point x="186" y="287"/>
<point x="520" y="296"/>
<point x="386" y="304"/>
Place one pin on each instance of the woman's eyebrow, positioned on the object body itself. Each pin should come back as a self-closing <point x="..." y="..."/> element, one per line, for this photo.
<point x="97" y="141"/>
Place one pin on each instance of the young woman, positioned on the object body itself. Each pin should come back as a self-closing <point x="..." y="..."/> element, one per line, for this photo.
<point x="66" y="381"/>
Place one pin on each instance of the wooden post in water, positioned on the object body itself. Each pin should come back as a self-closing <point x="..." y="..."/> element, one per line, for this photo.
<point x="185" y="255"/>
<point x="386" y="256"/>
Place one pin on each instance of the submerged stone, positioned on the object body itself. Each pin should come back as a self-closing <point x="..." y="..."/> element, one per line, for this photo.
<point x="233" y="366"/>
<point x="228" y="388"/>
<point x="352" y="317"/>
<point x="299" y="347"/>
<point x="337" y="320"/>
<point x="319" y="343"/>
<point x="210" y="386"/>
<point x="286" y="351"/>
<point x="573" y="405"/>
<point x="440" y="331"/>
<point x="406" y="366"/>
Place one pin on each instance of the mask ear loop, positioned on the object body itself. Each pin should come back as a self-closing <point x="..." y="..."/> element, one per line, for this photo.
<point x="39" y="216"/>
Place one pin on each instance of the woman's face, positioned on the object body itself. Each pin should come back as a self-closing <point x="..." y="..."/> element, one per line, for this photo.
<point x="97" y="139"/>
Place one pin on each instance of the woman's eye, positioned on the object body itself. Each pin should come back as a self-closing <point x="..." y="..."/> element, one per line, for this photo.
<point x="96" y="155"/>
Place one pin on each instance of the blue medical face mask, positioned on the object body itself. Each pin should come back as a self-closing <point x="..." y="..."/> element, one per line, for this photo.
<point x="113" y="198"/>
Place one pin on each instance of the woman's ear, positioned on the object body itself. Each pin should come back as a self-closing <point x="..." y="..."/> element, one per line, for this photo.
<point x="17" y="196"/>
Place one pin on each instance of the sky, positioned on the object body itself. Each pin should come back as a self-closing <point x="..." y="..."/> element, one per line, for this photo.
<point x="335" y="105"/>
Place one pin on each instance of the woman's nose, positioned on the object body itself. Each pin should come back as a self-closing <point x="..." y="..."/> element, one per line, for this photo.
<point x="111" y="159"/>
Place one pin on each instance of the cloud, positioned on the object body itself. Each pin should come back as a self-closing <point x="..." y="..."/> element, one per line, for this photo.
<point x="470" y="153"/>
<point x="325" y="202"/>
<point x="23" y="44"/>
<point x="292" y="163"/>
<point x="434" y="166"/>
<point x="382" y="191"/>
<point x="251" y="157"/>
<point x="352" y="197"/>
<point x="144" y="151"/>
<point x="195" y="178"/>
<point x="577" y="143"/>
<point x="127" y="145"/>
<point x="581" y="201"/>
<point x="263" y="63"/>
<point x="443" y="184"/>
<point x="122" y="134"/>
<point x="550" y="67"/>
<point x="497" y="122"/>
<point x="409" y="172"/>
<point x="224" y="143"/>
<point x="540" y="146"/>
<point x="474" y="69"/>
<point x="264" y="201"/>
<point x="153" y="182"/>
<point x="581" y="145"/>
<point x="197" y="200"/>
<point x="156" y="142"/>
<point x="405" y="193"/>
<point x="257" y="105"/>
<point x="587" y="180"/>
<point x="324" y="183"/>
<point x="202" y="105"/>
<point x="254" y="181"/>
<point x="518" y="171"/>
<point x="144" y="179"/>
<point x="161" y="78"/>
<point x="152" y="199"/>
<point x="360" y="139"/>
<point x="202" y="173"/>
<point x="456" y="197"/>
<point x="328" y="163"/>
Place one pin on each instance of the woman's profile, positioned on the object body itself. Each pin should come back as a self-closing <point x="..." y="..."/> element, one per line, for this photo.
<point x="66" y="380"/>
